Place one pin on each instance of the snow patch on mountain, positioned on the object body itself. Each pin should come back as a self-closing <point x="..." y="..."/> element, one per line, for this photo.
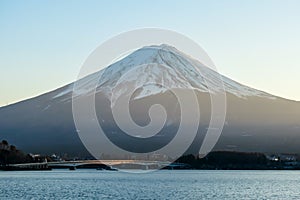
<point x="153" y="70"/>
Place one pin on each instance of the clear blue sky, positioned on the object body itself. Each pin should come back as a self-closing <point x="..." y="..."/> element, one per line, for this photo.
<point x="44" y="43"/>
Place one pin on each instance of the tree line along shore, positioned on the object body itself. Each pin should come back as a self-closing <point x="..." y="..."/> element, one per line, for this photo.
<point x="217" y="160"/>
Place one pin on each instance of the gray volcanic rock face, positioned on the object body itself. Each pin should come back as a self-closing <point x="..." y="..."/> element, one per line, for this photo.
<point x="255" y="121"/>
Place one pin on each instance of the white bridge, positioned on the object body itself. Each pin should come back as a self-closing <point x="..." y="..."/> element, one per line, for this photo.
<point x="126" y="164"/>
<point x="102" y="164"/>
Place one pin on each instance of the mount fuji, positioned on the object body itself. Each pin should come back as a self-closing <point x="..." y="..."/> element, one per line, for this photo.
<point x="255" y="121"/>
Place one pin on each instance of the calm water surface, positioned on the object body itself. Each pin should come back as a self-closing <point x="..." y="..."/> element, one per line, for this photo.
<point x="93" y="184"/>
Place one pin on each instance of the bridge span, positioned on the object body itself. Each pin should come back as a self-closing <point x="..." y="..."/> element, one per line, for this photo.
<point x="99" y="164"/>
<point x="120" y="164"/>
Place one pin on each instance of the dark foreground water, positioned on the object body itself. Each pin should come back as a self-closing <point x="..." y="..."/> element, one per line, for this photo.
<point x="93" y="184"/>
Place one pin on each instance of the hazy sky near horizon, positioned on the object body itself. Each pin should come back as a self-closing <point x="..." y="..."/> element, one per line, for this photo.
<point x="44" y="43"/>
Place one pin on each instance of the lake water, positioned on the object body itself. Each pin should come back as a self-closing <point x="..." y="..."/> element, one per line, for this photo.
<point x="93" y="184"/>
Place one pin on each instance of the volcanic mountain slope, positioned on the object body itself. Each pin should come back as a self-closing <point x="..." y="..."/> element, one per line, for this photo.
<point x="256" y="121"/>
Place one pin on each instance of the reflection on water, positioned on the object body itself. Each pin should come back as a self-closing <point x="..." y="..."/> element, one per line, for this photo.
<point x="93" y="184"/>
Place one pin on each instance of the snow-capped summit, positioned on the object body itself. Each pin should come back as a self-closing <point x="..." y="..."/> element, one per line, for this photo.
<point x="154" y="69"/>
